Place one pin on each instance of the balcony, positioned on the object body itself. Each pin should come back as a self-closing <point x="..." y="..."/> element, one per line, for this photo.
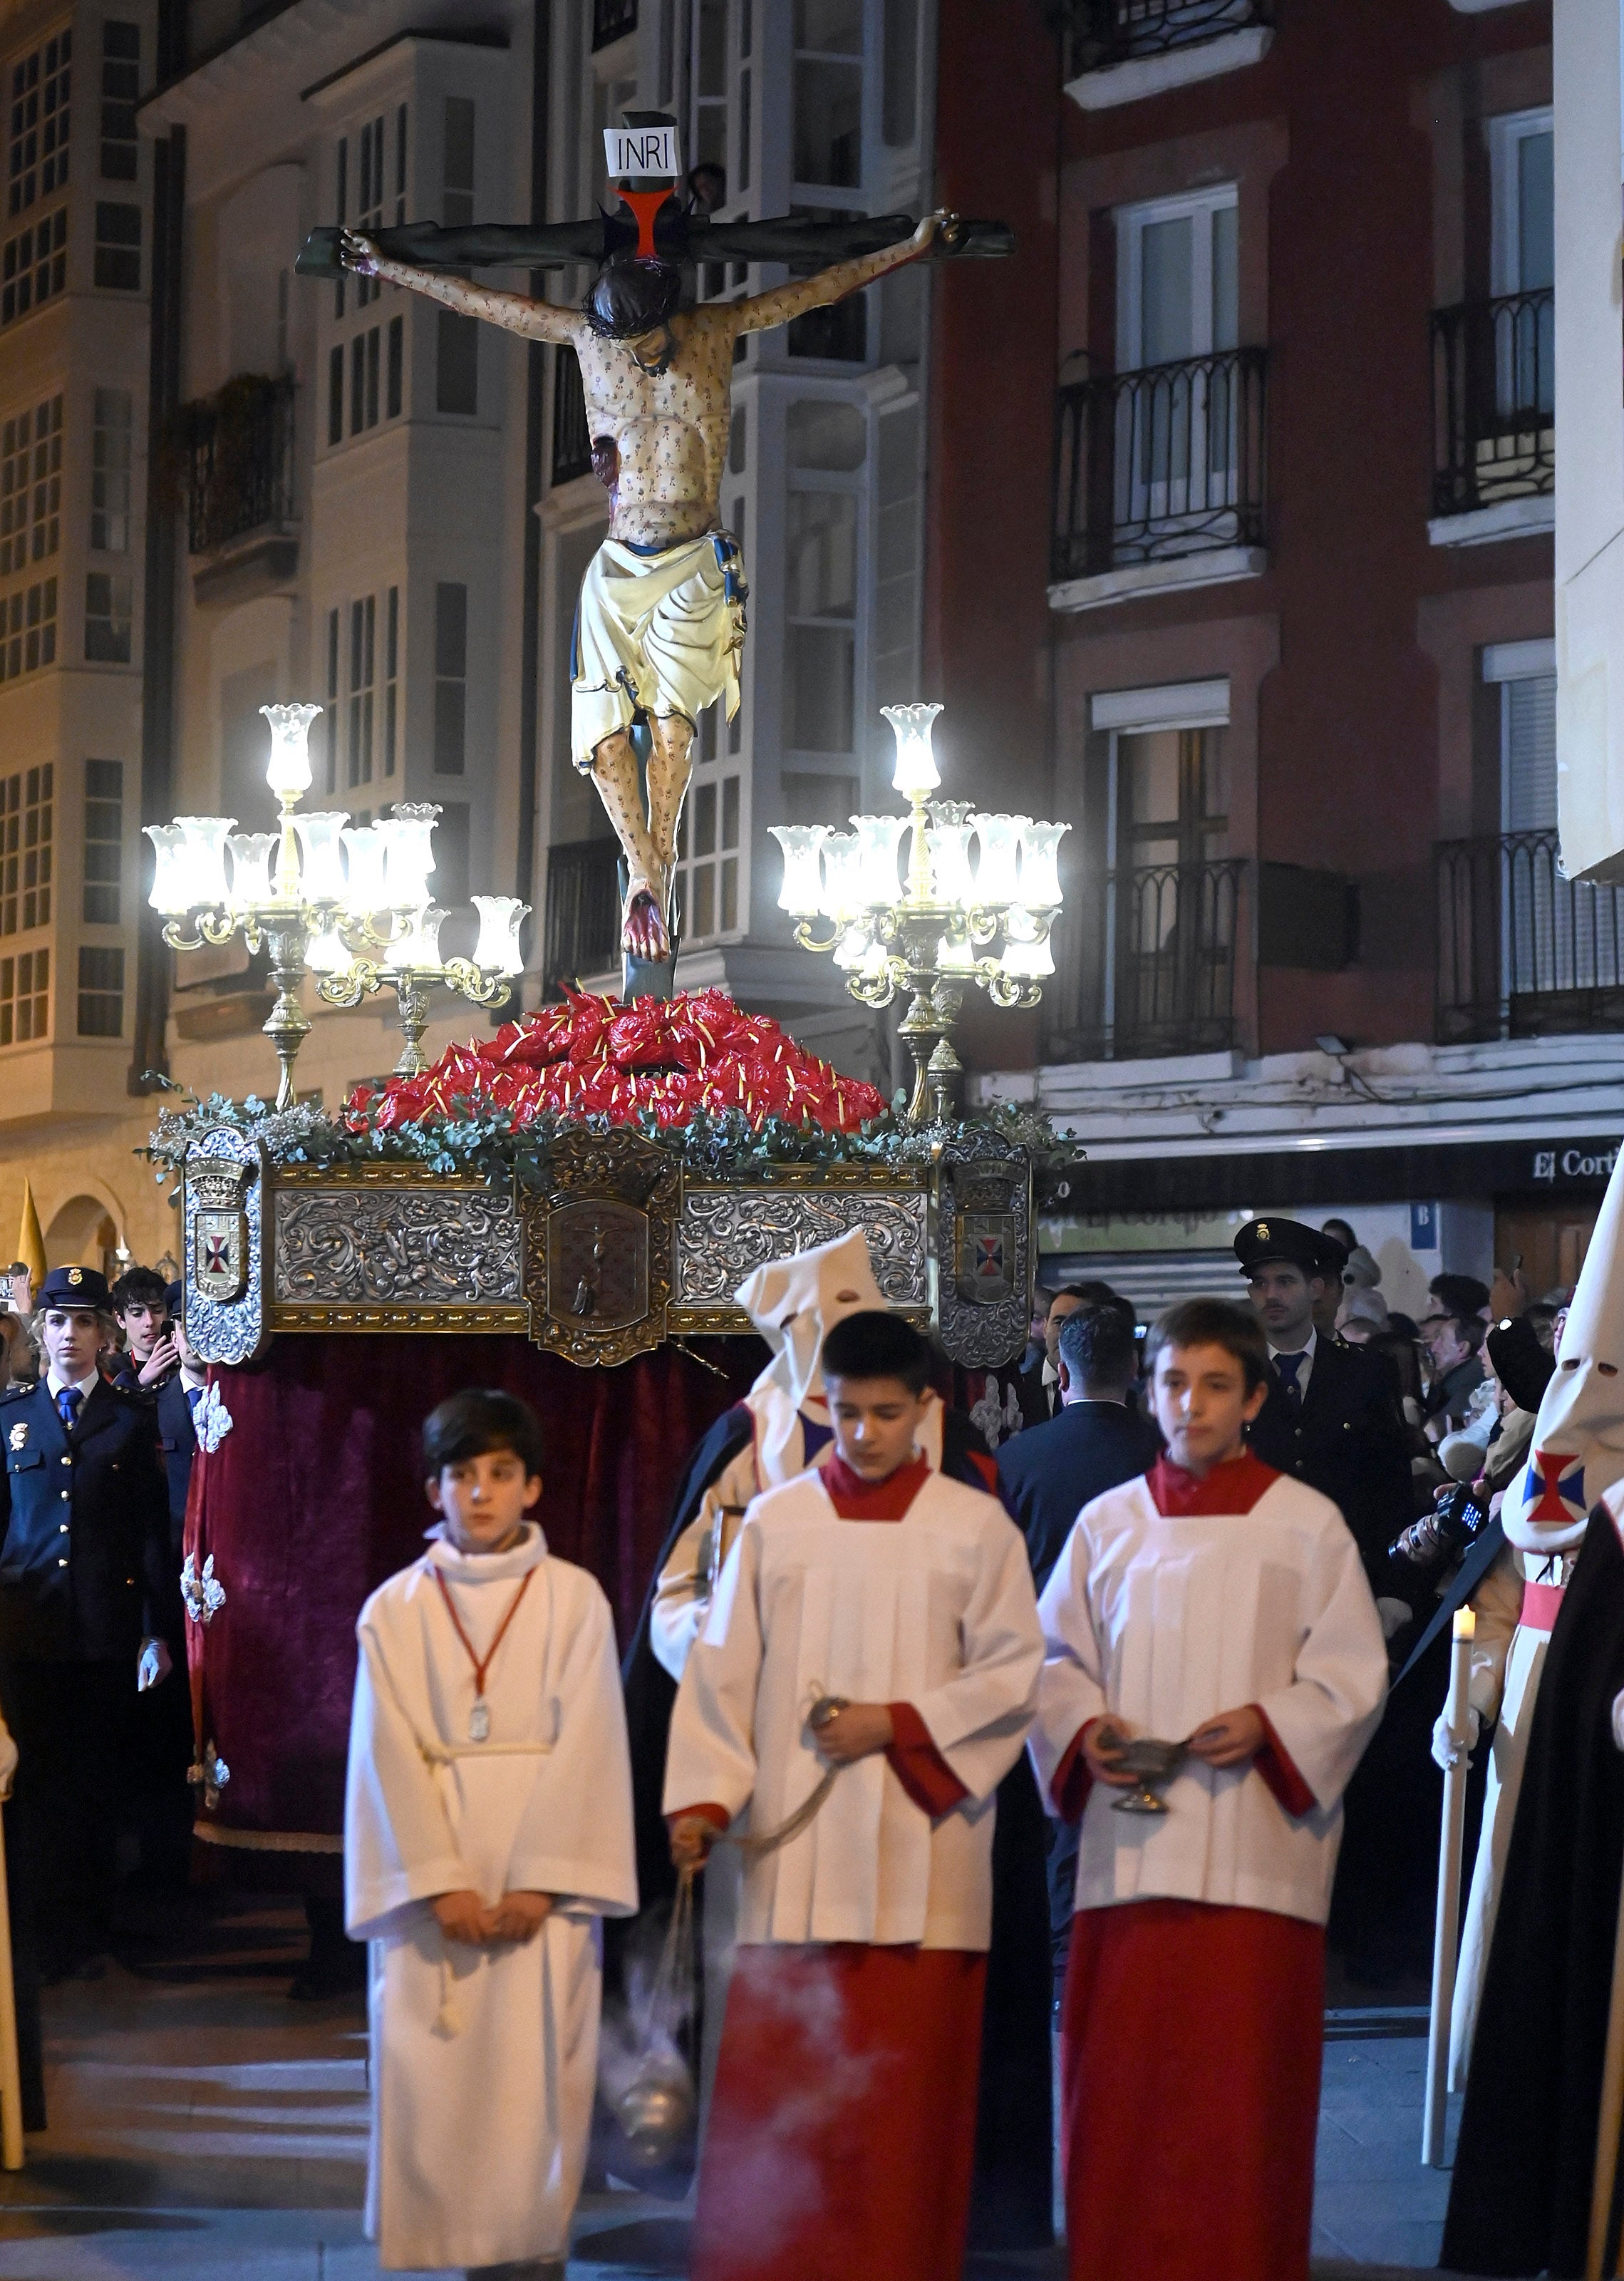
<point x="583" y="931"/>
<point x="572" y="438"/>
<point x="236" y="449"/>
<point x="1159" y="479"/>
<point x="1524" y="951"/>
<point x="1157" y="976"/>
<point x="1494" y="428"/>
<point x="1119" y="50"/>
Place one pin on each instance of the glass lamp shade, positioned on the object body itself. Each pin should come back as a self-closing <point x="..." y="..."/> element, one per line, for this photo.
<point x="955" y="957"/>
<point x="996" y="880"/>
<point x="321" y="869"/>
<point x="287" y="769"/>
<point x="252" y="853"/>
<point x="171" y="894"/>
<point x="873" y="962"/>
<point x="801" y="891"/>
<point x="202" y="861"/>
<point x="327" y="955"/>
<point x="364" y="886"/>
<point x="1040" y="864"/>
<point x="408" y="839"/>
<point x="916" y="771"/>
<point x="877" y="839"/>
<point x="842" y="891"/>
<point x="852" y="948"/>
<point x="952" y="881"/>
<point x="501" y="916"/>
<point x="1024" y="959"/>
<point x="418" y="950"/>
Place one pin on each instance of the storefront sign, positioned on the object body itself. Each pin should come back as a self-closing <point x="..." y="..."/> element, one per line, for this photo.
<point x="1555" y="1165"/>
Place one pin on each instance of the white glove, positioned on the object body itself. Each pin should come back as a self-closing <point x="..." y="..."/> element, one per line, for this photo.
<point x="1618" y="1719"/>
<point x="1449" y="1745"/>
<point x="154" y="1665"/>
<point x="8" y="1760"/>
<point x="1395" y="1615"/>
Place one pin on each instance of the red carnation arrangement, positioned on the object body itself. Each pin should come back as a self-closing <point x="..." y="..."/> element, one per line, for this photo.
<point x="696" y="1052"/>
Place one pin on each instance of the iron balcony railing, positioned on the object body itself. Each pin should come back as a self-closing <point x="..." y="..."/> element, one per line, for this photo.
<point x="583" y="931"/>
<point x="1161" y="463"/>
<point x="239" y="461"/>
<point x="1493" y="401"/>
<point x="1101" y="32"/>
<point x="1523" y="950"/>
<point x="1157" y="973"/>
<point x="572" y="438"/>
<point x="611" y="21"/>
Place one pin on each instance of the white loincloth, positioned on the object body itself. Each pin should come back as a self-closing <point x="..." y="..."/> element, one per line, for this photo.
<point x="657" y="633"/>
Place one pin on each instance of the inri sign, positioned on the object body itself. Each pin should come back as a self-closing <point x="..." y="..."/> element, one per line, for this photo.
<point x="641" y="151"/>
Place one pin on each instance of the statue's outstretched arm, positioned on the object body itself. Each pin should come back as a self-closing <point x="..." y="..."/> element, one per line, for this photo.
<point x="537" y="320"/>
<point x="784" y="302"/>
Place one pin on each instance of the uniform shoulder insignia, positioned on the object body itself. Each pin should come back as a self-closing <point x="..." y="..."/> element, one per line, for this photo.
<point x="16" y="1394"/>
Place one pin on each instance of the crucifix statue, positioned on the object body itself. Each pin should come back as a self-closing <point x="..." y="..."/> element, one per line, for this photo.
<point x="660" y="625"/>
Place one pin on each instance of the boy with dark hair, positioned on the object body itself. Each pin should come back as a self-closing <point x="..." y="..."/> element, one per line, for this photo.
<point x="842" y="2135"/>
<point x="1219" y="1607"/>
<point x="487" y="1826"/>
<point x="140" y="1299"/>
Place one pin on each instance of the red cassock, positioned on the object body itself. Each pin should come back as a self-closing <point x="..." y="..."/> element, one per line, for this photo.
<point x="841" y="2141"/>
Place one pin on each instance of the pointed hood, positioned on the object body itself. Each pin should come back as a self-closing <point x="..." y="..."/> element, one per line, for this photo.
<point x="1578" y="1446"/>
<point x="793" y="1303"/>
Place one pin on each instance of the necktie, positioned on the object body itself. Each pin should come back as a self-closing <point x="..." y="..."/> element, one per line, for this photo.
<point x="193" y="1396"/>
<point x="67" y="1404"/>
<point x="1287" y="1366"/>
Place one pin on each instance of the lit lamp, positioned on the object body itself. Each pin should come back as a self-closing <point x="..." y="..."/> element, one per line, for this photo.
<point x="349" y="904"/>
<point x="951" y="922"/>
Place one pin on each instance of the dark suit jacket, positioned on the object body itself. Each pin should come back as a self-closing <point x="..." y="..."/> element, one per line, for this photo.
<point x="1033" y="1395"/>
<point x="1348" y="1442"/>
<point x="85" y="1566"/>
<point x="177" y="1447"/>
<point x="1048" y="1472"/>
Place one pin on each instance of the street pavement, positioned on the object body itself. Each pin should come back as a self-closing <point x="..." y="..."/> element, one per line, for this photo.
<point x="203" y="2127"/>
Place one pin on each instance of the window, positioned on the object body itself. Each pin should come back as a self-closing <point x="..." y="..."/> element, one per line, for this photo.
<point x="400" y="165"/>
<point x="391" y="677"/>
<point x="827" y="446"/>
<point x="24" y="999"/>
<point x="33" y="265"/>
<point x="341" y="214"/>
<point x="451" y="855"/>
<point x="100" y="992"/>
<point x="709" y="80"/>
<point x="363" y="640"/>
<point x="107" y="618"/>
<point x="30" y="486"/>
<point x="120" y="87"/>
<point x="335" y="393"/>
<point x="450" y="679"/>
<point x="396" y="365"/>
<point x="25" y="810"/>
<point x="331" y="716"/>
<point x="457" y="340"/>
<point x="118" y="248"/>
<point x="1177" y="294"/>
<point x="369" y="202"/>
<point x="1523" y="259"/>
<point x="829" y="94"/>
<point x="110" y="472"/>
<point x="28" y="630"/>
<point x="708" y="859"/>
<point x="103" y="841"/>
<point x="364" y="380"/>
<point x="36" y="164"/>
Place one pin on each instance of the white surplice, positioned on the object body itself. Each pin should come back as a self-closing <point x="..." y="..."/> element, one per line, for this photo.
<point x="484" y="2060"/>
<point x="1167" y="1621"/>
<point x="935" y="1609"/>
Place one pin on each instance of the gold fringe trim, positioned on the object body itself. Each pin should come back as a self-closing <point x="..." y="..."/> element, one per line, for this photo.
<point x="268" y="1841"/>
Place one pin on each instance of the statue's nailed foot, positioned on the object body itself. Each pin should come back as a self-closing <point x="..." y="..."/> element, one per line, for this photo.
<point x="644" y="932"/>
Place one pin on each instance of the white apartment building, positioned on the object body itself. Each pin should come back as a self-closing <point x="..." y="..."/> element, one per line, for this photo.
<point x="245" y="486"/>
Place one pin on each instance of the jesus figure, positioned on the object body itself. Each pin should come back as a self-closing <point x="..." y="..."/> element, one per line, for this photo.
<point x="661" y="620"/>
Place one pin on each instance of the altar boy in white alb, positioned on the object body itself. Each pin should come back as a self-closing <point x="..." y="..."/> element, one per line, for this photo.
<point x="1215" y="1604"/>
<point x="488" y="1826"/>
<point x="841" y="2134"/>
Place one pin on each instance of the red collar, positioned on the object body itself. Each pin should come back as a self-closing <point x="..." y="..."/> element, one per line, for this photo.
<point x="855" y="1499"/>
<point x="1234" y="1486"/>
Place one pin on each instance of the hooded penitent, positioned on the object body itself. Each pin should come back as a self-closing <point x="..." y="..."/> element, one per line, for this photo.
<point x="795" y="1304"/>
<point x="1578" y="1449"/>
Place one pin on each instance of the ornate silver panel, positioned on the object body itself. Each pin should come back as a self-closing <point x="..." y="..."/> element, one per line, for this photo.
<point x="232" y="1329"/>
<point x="724" y="1233"/>
<point x="983" y="1250"/>
<point x="394" y="1247"/>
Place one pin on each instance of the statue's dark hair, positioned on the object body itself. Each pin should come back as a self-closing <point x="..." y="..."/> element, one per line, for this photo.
<point x="875" y="1344"/>
<point x="629" y="297"/>
<point x="474" y="1423"/>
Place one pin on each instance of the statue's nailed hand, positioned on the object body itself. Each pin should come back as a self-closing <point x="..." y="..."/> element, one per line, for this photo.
<point x="358" y="254"/>
<point x="942" y="224"/>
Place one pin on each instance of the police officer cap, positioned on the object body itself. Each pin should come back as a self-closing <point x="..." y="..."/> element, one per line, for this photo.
<point x="74" y="1287"/>
<point x="1523" y="1367"/>
<point x="1260" y="1241"/>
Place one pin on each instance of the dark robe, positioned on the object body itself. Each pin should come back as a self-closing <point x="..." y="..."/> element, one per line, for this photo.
<point x="1012" y="2203"/>
<point x="1519" y="2199"/>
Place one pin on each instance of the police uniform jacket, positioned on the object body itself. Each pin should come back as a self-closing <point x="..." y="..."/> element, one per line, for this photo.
<point x="86" y="1572"/>
<point x="1348" y="1442"/>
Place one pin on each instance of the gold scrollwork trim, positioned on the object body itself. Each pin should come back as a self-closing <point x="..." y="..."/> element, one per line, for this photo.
<point x="391" y="1173"/>
<point x="447" y="1319"/>
<point x="904" y="1179"/>
<point x="268" y="1841"/>
<point x="727" y="1322"/>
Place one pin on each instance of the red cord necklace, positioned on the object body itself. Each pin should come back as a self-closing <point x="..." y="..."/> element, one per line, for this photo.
<point x="478" y="1718"/>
